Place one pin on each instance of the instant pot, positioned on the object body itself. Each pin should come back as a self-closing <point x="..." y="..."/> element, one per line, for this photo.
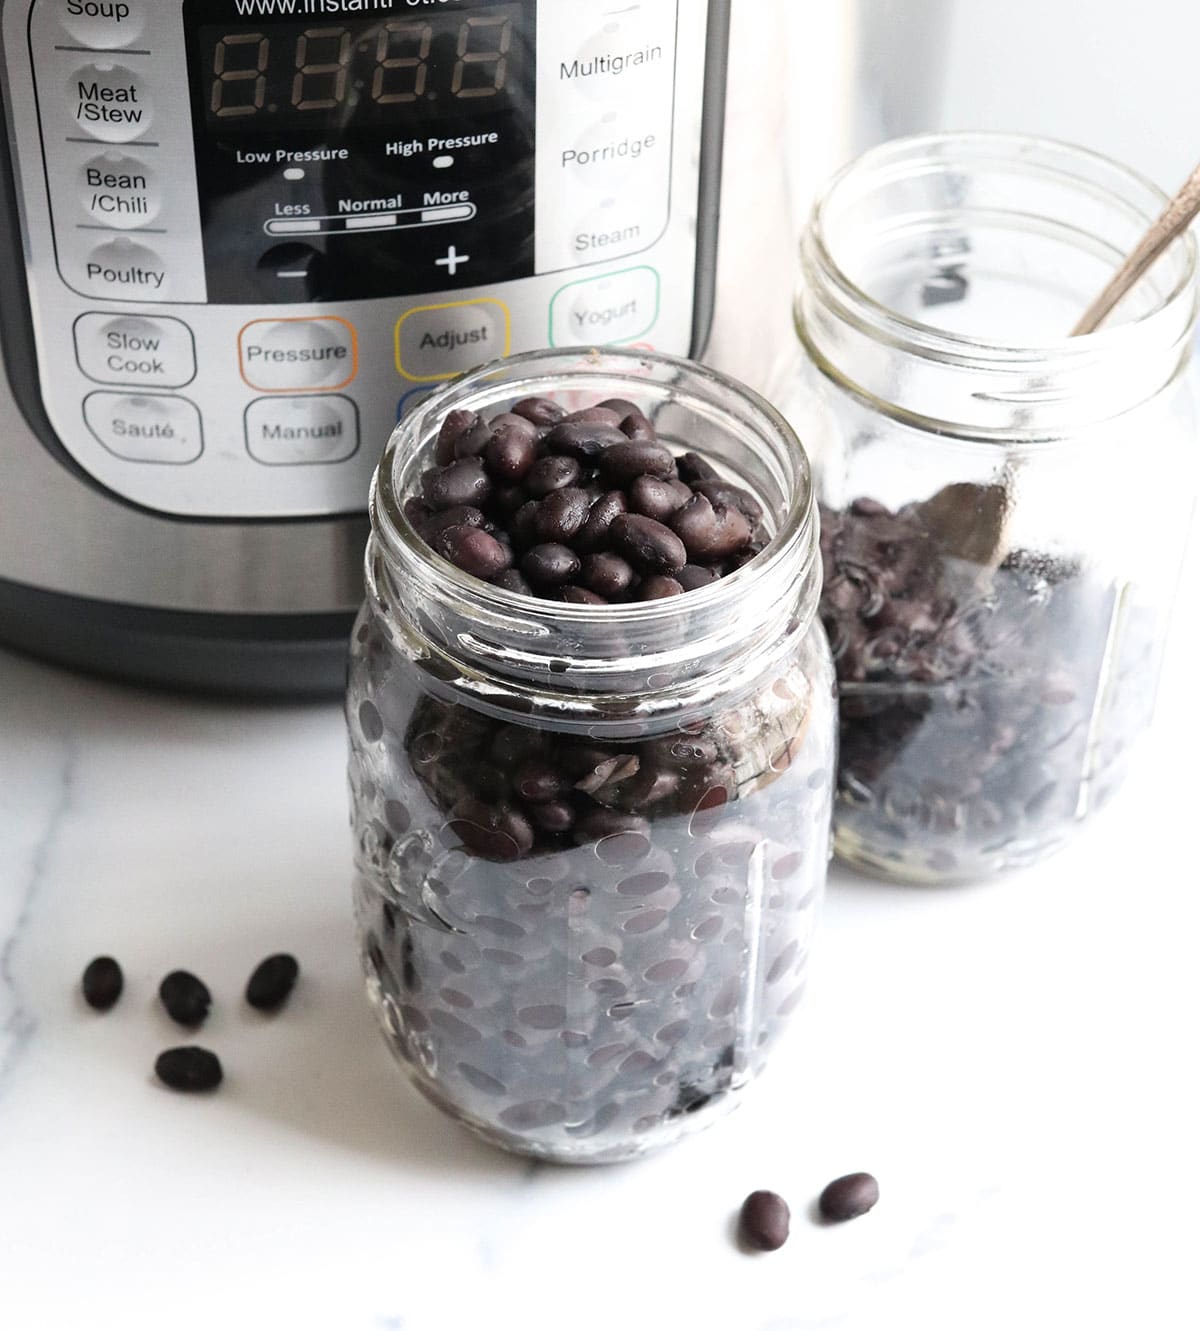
<point x="240" y="238"/>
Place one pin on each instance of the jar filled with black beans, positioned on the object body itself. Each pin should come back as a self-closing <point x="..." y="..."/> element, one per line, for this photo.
<point x="1004" y="507"/>
<point x="592" y="727"/>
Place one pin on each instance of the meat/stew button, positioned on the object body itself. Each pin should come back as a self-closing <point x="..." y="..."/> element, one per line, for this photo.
<point x="306" y="354"/>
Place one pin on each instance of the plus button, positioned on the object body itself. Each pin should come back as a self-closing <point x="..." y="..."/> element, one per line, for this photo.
<point x="452" y="260"/>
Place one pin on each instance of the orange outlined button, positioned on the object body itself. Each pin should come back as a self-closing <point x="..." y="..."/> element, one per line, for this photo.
<point x="306" y="355"/>
<point x="436" y="342"/>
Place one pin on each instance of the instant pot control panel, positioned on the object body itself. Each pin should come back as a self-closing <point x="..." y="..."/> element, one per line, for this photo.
<point x="257" y="231"/>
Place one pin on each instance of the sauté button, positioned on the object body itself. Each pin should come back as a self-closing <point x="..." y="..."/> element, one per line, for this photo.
<point x="287" y="431"/>
<point x="135" y="349"/>
<point x="617" y="307"/>
<point x="119" y="191"/>
<point x="125" y="270"/>
<point x="156" y="428"/>
<point x="438" y="341"/>
<point x="304" y="353"/>
<point x="104" y="24"/>
<point x="109" y="102"/>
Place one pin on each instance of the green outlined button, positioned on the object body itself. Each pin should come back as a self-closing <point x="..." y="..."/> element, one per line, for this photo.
<point x="618" y="307"/>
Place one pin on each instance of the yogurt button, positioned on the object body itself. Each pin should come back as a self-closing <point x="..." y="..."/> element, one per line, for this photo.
<point x="119" y="191"/>
<point x="109" y="102"/>
<point x="103" y="24"/>
<point x="157" y="428"/>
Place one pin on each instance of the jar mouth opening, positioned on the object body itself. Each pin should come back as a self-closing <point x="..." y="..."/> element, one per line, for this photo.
<point x="1091" y="174"/>
<point x="598" y="372"/>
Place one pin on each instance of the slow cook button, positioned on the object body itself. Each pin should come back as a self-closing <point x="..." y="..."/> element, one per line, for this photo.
<point x="154" y="428"/>
<point x="618" y="307"/>
<point x="135" y="349"/>
<point x="305" y="353"/>
<point x="287" y="431"/>
<point x="125" y="270"/>
<point x="109" y="102"/>
<point x="437" y="341"/>
<point x="119" y="191"/>
<point x="103" y="24"/>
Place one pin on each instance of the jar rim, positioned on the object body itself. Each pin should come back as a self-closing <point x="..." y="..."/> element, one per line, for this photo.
<point x="1040" y="153"/>
<point x="518" y="376"/>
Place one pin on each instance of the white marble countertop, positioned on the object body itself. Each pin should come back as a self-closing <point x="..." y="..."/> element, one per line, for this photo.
<point x="1014" y="1061"/>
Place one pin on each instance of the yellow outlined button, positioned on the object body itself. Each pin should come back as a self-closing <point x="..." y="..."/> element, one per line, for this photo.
<point x="436" y="342"/>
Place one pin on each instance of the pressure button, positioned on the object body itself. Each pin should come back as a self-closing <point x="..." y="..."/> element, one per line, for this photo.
<point x="278" y="355"/>
<point x="109" y="102"/>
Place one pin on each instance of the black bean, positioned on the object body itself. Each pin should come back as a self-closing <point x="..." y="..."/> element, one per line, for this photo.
<point x="607" y="575"/>
<point x="765" y="1221"/>
<point x="457" y="423"/>
<point x="186" y="998"/>
<point x="272" y="982"/>
<point x="656" y="499"/>
<point x="506" y="499"/>
<point x="102" y="983"/>
<point x="579" y="596"/>
<point x="691" y="577"/>
<point x="626" y="461"/>
<point x="560" y="515"/>
<point x="657" y="587"/>
<point x="710" y="532"/>
<point x="732" y="496"/>
<point x="512" y="581"/>
<point x="418" y="512"/>
<point x="461" y="515"/>
<point x="473" y="551"/>
<point x="594" y="533"/>
<point x="510" y="452"/>
<point x="848" y="1197"/>
<point x="552" y="473"/>
<point x="493" y="833"/>
<point x="620" y="407"/>
<point x="638" y="429"/>
<point x="522" y="524"/>
<point x="601" y="414"/>
<point x="583" y="440"/>
<point x="538" y="781"/>
<point x="189" y="1068"/>
<point x="462" y="482"/>
<point x="647" y="544"/>
<point x="550" y="565"/>
<point x="541" y="411"/>
<point x="472" y="442"/>
<point x="693" y="468"/>
<point x="553" y="816"/>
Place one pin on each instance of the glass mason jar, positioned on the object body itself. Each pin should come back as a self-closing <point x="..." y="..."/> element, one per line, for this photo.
<point x="1004" y="507"/>
<point x="587" y="993"/>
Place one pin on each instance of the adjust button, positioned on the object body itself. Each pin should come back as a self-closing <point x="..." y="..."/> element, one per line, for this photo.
<point x="618" y="307"/>
<point x="305" y="353"/>
<point x="109" y="102"/>
<point x="119" y="191"/>
<point x="155" y="428"/>
<point x="434" y="342"/>
<point x="104" y="24"/>
<point x="286" y="431"/>
<point x="135" y="349"/>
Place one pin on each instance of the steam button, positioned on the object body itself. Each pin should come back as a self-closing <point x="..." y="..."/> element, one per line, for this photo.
<point x="109" y="102"/>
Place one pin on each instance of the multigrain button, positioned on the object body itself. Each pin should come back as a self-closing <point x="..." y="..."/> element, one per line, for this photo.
<point x="105" y="25"/>
<point x="298" y="354"/>
<point x="437" y="341"/>
<point x="617" y="307"/>
<point x="154" y="428"/>
<point x="109" y="102"/>
<point x="120" y="191"/>
<point x="288" y="431"/>
<point x="125" y="269"/>
<point x="135" y="349"/>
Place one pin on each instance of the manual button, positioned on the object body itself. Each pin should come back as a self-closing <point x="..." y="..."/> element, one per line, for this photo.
<point x="135" y="349"/>
<point x="290" y="431"/>
<point x="156" y="428"/>
<point x="434" y="342"/>
<point x="278" y="355"/>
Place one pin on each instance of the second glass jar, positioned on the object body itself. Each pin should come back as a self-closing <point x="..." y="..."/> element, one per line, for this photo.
<point x="591" y="840"/>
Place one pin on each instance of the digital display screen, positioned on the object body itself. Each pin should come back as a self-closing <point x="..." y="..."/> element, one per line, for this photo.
<point x="295" y="74"/>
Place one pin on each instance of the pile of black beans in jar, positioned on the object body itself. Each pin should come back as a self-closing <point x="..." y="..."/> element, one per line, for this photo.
<point x="580" y="945"/>
<point x="967" y="693"/>
<point x="586" y="507"/>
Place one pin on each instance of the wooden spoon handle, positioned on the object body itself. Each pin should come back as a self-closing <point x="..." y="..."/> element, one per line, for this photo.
<point x="1176" y="218"/>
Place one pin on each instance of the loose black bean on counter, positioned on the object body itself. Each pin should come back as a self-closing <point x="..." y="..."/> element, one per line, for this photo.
<point x="765" y="1221"/>
<point x="587" y="507"/>
<point x="272" y="982"/>
<point x="848" y="1197"/>
<point x="186" y="998"/>
<point x="189" y="1068"/>
<point x="102" y="983"/>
